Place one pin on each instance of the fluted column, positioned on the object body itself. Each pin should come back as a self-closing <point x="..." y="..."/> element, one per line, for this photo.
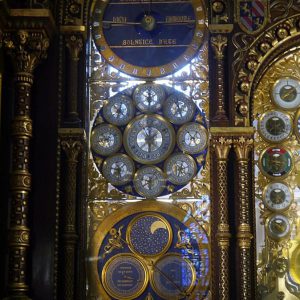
<point x="72" y="142"/>
<point x="243" y="146"/>
<point x="27" y="49"/>
<point x="221" y="146"/>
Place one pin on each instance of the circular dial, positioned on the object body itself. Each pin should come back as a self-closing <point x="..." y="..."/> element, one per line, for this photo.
<point x="118" y="169"/>
<point x="149" y="235"/>
<point x="286" y="93"/>
<point x="276" y="162"/>
<point x="149" y="181"/>
<point x="149" y="139"/>
<point x="119" y="110"/>
<point x="180" y="168"/>
<point x="179" y="109"/>
<point x="148" y="39"/>
<point x="173" y="277"/>
<point x="125" y="277"/>
<point x="149" y="97"/>
<point x="277" y="196"/>
<point x="106" y="139"/>
<point x="278" y="227"/>
<point x="275" y="126"/>
<point x="192" y="138"/>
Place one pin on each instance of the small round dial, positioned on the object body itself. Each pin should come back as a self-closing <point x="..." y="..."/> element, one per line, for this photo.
<point x="179" y="109"/>
<point x="192" y="138"/>
<point x="277" y="196"/>
<point x="173" y="277"/>
<point x="278" y="227"/>
<point x="149" y="234"/>
<point x="106" y="139"/>
<point x="124" y="276"/>
<point x="149" y="181"/>
<point x="149" y="139"/>
<point x="149" y="97"/>
<point x="275" y="126"/>
<point x="276" y="162"/>
<point x="119" y="110"/>
<point x="118" y="169"/>
<point x="180" y="168"/>
<point x="286" y="93"/>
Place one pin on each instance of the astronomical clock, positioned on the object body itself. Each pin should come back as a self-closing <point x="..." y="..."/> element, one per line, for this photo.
<point x="148" y="216"/>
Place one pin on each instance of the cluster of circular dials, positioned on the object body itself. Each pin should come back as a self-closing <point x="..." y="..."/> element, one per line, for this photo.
<point x="148" y="140"/>
<point x="276" y="162"/>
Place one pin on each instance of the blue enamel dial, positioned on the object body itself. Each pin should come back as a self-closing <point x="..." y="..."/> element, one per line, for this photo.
<point x="148" y="38"/>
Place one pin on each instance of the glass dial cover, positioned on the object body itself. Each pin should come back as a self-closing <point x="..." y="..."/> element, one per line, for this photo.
<point x="278" y="227"/>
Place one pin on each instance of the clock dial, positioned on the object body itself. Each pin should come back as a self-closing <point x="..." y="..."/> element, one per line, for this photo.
<point x="277" y="196"/>
<point x="124" y="276"/>
<point x="106" y="139"/>
<point x="286" y="93"/>
<point x="149" y="235"/>
<point x="276" y="162"/>
<point x="278" y="227"/>
<point x="149" y="97"/>
<point x="173" y="277"/>
<point x="149" y="139"/>
<point x="275" y="126"/>
<point x="149" y="181"/>
<point x="148" y="39"/>
<point x="192" y="138"/>
<point x="119" y="110"/>
<point x="180" y="168"/>
<point x="179" y="109"/>
<point x="118" y="169"/>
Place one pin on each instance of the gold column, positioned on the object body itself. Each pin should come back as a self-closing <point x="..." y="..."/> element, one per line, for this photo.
<point x="27" y="47"/>
<point x="243" y="146"/>
<point x="72" y="142"/>
<point x="221" y="146"/>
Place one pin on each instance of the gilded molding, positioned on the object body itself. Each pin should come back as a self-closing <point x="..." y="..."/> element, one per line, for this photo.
<point x="221" y="146"/>
<point x="243" y="147"/>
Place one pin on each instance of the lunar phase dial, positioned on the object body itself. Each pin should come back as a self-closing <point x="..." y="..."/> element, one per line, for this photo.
<point x="179" y="109"/>
<point x="192" y="138"/>
<point x="286" y="93"/>
<point x="119" y="110"/>
<point x="149" y="139"/>
<point x="106" y="139"/>
<point x="149" y="181"/>
<point x="118" y="169"/>
<point x="277" y="196"/>
<point x="180" y="168"/>
<point x="278" y="227"/>
<point x="149" y="97"/>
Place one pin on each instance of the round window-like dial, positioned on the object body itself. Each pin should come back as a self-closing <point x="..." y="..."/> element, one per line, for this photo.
<point x="278" y="227"/>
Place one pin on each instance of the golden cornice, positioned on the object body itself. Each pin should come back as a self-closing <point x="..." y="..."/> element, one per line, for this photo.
<point x="73" y="29"/>
<point x="75" y="133"/>
<point x="231" y="131"/>
<point x="220" y="28"/>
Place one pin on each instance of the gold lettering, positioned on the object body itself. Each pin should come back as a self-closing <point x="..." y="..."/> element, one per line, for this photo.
<point x="167" y="41"/>
<point x="172" y="19"/>
<point x="138" y="42"/>
<point x="119" y="19"/>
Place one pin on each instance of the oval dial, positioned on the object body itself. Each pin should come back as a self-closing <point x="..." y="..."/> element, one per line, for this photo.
<point x="277" y="196"/>
<point x="275" y="126"/>
<point x="149" y="181"/>
<point x="149" y="97"/>
<point x="192" y="138"/>
<point x="124" y="276"/>
<point x="106" y="139"/>
<point x="278" y="227"/>
<point x="119" y="110"/>
<point x="173" y="277"/>
<point x="286" y="93"/>
<point x="149" y="139"/>
<point x="118" y="169"/>
<point x="180" y="168"/>
<point x="179" y="109"/>
<point x="276" y="162"/>
<point x="149" y="235"/>
<point x="148" y="39"/>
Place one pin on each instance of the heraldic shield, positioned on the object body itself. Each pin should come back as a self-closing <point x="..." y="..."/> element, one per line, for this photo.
<point x="252" y="16"/>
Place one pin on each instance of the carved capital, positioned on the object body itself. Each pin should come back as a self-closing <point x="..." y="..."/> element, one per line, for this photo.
<point x="74" y="43"/>
<point x="218" y="43"/>
<point x="243" y="146"/>
<point x="27" y="48"/>
<point x="221" y="146"/>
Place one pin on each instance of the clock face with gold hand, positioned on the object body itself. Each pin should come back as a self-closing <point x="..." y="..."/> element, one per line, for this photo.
<point x="148" y="38"/>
